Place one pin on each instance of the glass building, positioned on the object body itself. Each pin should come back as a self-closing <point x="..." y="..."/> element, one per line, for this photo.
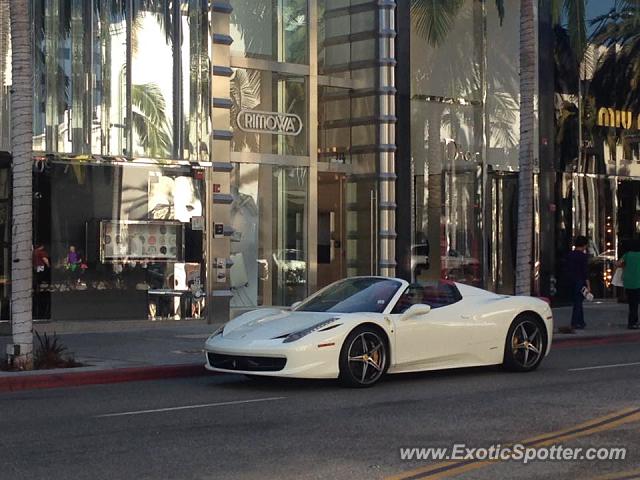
<point x="195" y="156"/>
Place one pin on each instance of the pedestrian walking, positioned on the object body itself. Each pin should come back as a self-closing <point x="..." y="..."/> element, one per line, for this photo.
<point x="41" y="280"/>
<point x="578" y="273"/>
<point x="630" y="262"/>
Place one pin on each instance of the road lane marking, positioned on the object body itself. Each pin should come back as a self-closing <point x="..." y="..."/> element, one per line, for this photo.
<point x="590" y="427"/>
<point x="190" y="407"/>
<point x="600" y="367"/>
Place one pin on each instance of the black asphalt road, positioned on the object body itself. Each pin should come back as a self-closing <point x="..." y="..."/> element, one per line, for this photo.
<point x="228" y="427"/>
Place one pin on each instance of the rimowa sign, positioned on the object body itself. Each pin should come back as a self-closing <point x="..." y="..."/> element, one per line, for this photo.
<point x="274" y="123"/>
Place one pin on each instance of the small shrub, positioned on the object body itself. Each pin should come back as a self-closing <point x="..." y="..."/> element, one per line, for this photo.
<point x="51" y="353"/>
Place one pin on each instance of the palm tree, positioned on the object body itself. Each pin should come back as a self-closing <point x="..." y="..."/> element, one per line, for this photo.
<point x="21" y="147"/>
<point x="524" y="239"/>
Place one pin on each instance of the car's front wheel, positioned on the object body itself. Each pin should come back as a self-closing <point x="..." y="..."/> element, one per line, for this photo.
<point x="364" y="357"/>
<point x="526" y="344"/>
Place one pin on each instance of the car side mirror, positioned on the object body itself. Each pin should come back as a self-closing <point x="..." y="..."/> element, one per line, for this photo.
<point x="416" y="310"/>
<point x="295" y="305"/>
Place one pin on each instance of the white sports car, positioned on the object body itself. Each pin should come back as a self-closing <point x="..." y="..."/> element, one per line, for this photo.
<point x="360" y="328"/>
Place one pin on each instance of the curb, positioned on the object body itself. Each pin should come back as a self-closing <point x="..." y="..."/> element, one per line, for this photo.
<point x="596" y="340"/>
<point x="117" y="375"/>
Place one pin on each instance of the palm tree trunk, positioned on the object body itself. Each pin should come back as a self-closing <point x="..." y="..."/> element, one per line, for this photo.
<point x="524" y="241"/>
<point x="21" y="145"/>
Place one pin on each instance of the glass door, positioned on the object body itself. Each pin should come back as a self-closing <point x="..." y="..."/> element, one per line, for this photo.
<point x="331" y="232"/>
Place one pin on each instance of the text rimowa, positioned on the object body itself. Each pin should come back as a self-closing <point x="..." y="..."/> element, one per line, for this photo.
<point x="274" y="123"/>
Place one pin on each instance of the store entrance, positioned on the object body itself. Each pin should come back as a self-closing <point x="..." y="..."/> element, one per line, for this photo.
<point x="331" y="241"/>
<point x="628" y="214"/>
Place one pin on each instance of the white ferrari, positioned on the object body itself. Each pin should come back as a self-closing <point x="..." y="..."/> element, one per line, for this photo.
<point x="360" y="328"/>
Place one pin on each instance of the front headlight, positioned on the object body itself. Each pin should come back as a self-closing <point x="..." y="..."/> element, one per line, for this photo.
<point x="219" y="331"/>
<point x="303" y="333"/>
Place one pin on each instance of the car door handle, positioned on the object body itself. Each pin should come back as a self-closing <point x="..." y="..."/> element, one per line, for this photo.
<point x="466" y="317"/>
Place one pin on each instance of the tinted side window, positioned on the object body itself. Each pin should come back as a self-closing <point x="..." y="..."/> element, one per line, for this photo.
<point x="436" y="295"/>
<point x="441" y="295"/>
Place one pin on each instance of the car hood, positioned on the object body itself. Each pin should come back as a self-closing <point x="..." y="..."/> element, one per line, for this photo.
<point x="271" y="323"/>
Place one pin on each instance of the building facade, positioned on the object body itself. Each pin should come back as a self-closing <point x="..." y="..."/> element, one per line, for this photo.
<point x="195" y="156"/>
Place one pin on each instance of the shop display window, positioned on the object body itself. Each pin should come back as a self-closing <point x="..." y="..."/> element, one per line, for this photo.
<point x="120" y="241"/>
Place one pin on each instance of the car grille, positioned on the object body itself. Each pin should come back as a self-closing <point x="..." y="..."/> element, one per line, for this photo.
<point x="245" y="363"/>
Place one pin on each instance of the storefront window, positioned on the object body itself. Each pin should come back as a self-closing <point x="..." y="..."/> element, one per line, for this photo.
<point x="268" y="250"/>
<point x="603" y="210"/>
<point x="195" y="79"/>
<point x="334" y="124"/>
<point x="258" y="98"/>
<point x="446" y="62"/>
<point x="597" y="106"/>
<point x="120" y="240"/>
<point x="274" y="30"/>
<point x="5" y="77"/>
<point x="597" y="146"/>
<point x="109" y="131"/>
<point x="97" y="83"/>
<point x="503" y="88"/>
<point x="448" y="186"/>
<point x="342" y="36"/>
<point x="447" y="124"/>
<point x="151" y="92"/>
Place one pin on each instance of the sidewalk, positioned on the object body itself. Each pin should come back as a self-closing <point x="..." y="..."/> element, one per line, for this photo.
<point x="603" y="319"/>
<point x="118" y="351"/>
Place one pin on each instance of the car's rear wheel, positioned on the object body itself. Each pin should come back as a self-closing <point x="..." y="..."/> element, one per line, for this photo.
<point x="364" y="357"/>
<point x="526" y="344"/>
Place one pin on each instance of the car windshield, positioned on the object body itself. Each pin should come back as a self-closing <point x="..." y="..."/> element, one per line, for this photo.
<point x="353" y="295"/>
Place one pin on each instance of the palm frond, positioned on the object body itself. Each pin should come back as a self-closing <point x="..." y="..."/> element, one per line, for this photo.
<point x="434" y="19"/>
<point x="245" y="93"/>
<point x="575" y="11"/>
<point x="150" y="119"/>
<point x="556" y="12"/>
<point x="245" y="88"/>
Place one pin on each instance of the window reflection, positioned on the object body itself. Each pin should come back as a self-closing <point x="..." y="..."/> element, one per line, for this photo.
<point x="120" y="241"/>
<point x="110" y="94"/>
<point x="597" y="146"/>
<point x="270" y="29"/>
<point x="597" y="103"/>
<point x="264" y="91"/>
<point x="151" y="80"/>
<point x="116" y="82"/>
<point x="334" y="122"/>
<point x="195" y="79"/>
<point x="599" y="209"/>
<point x="447" y="122"/>
<point x="503" y="88"/>
<point x="339" y="42"/>
<point x="448" y="190"/>
<point x="268" y="250"/>
<point x="447" y="62"/>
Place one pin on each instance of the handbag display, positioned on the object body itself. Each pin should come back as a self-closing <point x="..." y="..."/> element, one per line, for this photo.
<point x="617" y="281"/>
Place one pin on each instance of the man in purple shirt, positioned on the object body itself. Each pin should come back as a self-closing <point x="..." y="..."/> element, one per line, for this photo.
<point x="578" y="276"/>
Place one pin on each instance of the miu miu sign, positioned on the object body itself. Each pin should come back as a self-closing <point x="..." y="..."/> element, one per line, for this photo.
<point x="273" y="123"/>
<point x="608" y="117"/>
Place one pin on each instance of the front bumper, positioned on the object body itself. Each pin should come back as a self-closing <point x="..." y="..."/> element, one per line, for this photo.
<point x="272" y="358"/>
